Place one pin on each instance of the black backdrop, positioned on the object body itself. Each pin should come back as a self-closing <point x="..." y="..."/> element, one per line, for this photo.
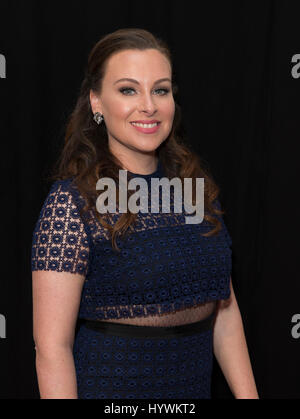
<point x="233" y="63"/>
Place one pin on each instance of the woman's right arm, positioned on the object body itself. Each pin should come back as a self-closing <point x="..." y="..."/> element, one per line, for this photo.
<point x="56" y="298"/>
<point x="59" y="264"/>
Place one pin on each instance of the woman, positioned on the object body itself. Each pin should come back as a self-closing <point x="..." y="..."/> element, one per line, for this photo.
<point x="150" y="294"/>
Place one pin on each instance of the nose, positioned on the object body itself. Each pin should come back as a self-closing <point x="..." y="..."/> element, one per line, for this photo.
<point x="147" y="104"/>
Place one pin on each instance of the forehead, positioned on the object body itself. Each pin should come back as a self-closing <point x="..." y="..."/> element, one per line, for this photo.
<point x="148" y="64"/>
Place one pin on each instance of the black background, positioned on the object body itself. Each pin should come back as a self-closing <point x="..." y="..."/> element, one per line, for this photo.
<point x="240" y="107"/>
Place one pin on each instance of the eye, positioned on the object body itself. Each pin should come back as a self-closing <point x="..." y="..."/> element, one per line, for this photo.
<point x="126" y="91"/>
<point x="164" y="91"/>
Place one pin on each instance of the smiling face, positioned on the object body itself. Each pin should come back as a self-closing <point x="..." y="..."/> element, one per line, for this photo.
<point x="147" y="98"/>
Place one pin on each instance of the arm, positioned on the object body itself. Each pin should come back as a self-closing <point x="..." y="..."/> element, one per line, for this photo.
<point x="230" y="349"/>
<point x="56" y="298"/>
<point x="59" y="263"/>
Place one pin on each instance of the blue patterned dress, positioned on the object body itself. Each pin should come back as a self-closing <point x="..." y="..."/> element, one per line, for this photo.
<point x="164" y="284"/>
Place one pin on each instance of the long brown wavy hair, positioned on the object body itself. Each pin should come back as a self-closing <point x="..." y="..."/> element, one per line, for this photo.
<point x="85" y="153"/>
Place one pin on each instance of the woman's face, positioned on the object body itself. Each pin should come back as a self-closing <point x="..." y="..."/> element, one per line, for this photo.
<point x="145" y="98"/>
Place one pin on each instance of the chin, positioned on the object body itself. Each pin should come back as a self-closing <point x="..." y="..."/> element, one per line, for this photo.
<point x="149" y="145"/>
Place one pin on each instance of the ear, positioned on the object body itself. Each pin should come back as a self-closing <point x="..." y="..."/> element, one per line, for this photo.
<point x="95" y="102"/>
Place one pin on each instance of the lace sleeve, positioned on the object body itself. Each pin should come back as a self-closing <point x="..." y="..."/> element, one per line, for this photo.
<point x="59" y="241"/>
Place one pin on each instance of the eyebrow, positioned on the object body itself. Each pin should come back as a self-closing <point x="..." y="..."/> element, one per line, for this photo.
<point x="136" y="82"/>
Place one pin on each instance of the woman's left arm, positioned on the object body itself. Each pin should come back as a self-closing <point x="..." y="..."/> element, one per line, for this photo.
<point x="230" y="349"/>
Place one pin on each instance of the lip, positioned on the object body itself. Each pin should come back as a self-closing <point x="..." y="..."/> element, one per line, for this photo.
<point x="154" y="121"/>
<point x="147" y="130"/>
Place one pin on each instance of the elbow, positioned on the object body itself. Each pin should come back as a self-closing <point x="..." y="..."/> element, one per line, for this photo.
<point x="52" y="350"/>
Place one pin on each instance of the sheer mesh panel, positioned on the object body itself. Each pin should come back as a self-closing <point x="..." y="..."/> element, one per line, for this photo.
<point x="60" y="242"/>
<point x="180" y="317"/>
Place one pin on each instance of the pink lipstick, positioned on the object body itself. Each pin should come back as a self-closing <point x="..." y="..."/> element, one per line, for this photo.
<point x="146" y="127"/>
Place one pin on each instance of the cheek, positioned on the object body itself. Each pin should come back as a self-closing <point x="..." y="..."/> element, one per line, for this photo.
<point x="168" y="110"/>
<point x="118" y="110"/>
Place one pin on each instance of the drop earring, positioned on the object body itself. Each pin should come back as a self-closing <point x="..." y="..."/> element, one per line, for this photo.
<point x="98" y="118"/>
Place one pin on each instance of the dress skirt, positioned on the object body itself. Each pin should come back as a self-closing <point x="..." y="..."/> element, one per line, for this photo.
<point x="120" y="361"/>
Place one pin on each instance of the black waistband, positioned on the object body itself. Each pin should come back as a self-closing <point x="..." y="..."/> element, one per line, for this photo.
<point x="130" y="330"/>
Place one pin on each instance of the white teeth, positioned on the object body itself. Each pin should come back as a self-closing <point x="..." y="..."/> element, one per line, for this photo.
<point x="144" y="125"/>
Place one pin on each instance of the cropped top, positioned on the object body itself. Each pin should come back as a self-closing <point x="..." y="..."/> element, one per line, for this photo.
<point x="166" y="272"/>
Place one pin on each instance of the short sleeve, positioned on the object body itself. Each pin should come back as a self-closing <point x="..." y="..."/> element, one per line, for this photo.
<point x="59" y="241"/>
<point x="220" y="217"/>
